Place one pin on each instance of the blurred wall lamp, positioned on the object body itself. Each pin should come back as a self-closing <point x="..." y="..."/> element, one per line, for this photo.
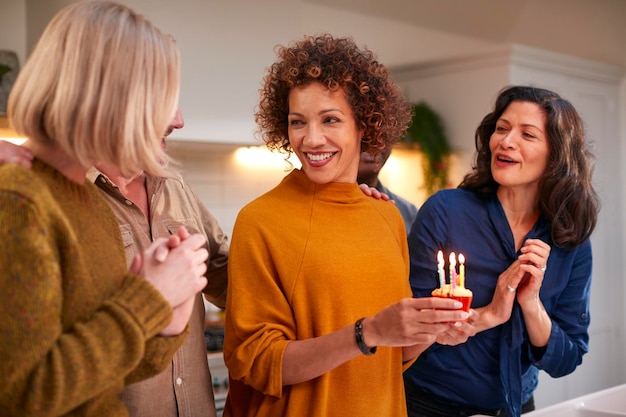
<point x="8" y="133"/>
<point x="9" y="67"/>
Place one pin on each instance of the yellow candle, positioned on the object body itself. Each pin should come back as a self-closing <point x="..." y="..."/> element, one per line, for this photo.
<point x="461" y="270"/>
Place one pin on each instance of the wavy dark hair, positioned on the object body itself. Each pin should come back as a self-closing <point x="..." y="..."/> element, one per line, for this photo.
<point x="566" y="194"/>
<point x="379" y="106"/>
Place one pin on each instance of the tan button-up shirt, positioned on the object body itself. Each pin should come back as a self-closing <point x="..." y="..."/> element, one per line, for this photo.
<point x="185" y="388"/>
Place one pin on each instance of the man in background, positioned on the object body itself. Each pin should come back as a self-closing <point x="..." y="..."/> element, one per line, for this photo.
<point x="147" y="208"/>
<point x="369" y="168"/>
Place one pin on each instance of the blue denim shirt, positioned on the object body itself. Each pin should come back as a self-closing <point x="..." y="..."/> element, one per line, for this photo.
<point x="486" y="371"/>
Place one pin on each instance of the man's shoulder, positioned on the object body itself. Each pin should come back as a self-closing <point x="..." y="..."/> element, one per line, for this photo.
<point x="400" y="201"/>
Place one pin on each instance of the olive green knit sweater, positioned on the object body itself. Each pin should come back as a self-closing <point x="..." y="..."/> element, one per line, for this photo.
<point x="74" y="324"/>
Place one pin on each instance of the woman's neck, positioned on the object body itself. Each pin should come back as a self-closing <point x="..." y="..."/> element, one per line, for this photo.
<point x="522" y="211"/>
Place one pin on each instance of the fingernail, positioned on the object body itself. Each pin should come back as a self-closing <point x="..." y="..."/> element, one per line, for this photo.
<point x="465" y="315"/>
<point x="457" y="324"/>
<point x="458" y="304"/>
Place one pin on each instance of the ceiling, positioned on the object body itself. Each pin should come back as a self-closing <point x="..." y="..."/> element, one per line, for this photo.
<point x="592" y="29"/>
<point x="473" y="18"/>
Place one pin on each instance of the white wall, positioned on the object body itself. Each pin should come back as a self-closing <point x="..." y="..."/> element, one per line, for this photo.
<point x="226" y="46"/>
<point x="620" y="183"/>
<point x="13" y="27"/>
<point x="462" y="91"/>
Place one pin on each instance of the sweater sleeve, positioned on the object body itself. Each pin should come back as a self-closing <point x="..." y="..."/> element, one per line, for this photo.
<point x="158" y="355"/>
<point x="569" y="338"/>
<point x="260" y="325"/>
<point x="53" y="365"/>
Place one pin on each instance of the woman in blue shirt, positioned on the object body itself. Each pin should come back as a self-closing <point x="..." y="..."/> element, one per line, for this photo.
<point x="522" y="218"/>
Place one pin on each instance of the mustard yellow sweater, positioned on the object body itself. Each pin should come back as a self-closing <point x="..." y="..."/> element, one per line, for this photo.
<point x="307" y="260"/>
<point x="73" y="322"/>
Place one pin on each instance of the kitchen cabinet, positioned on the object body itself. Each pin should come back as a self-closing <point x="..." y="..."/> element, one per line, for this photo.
<point x="219" y="373"/>
<point x="462" y="91"/>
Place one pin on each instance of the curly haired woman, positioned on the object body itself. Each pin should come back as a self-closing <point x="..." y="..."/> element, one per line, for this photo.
<point x="320" y="318"/>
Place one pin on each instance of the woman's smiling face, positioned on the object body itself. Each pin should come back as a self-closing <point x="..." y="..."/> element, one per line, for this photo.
<point x="323" y="133"/>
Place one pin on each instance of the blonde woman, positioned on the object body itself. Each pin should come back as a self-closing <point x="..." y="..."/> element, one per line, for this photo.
<point x="76" y="325"/>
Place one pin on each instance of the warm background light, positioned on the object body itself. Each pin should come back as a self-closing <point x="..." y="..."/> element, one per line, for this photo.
<point x="261" y="157"/>
<point x="402" y="174"/>
<point x="226" y="177"/>
<point x="7" y="133"/>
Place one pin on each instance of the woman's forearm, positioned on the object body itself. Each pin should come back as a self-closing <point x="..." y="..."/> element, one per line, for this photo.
<point x="538" y="322"/>
<point x="306" y="359"/>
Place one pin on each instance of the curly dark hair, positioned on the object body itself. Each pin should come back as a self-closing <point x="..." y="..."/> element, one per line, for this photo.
<point x="566" y="194"/>
<point x="379" y="106"/>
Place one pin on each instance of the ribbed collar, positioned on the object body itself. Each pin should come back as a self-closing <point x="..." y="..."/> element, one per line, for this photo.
<point x="334" y="192"/>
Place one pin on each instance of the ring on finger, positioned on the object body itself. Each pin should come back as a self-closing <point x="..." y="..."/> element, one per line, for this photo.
<point x="511" y="289"/>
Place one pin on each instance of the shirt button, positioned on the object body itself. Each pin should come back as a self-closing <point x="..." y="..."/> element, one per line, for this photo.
<point x="179" y="381"/>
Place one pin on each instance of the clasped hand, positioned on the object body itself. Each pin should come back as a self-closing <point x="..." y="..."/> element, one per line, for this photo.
<point x="522" y="281"/>
<point x="176" y="267"/>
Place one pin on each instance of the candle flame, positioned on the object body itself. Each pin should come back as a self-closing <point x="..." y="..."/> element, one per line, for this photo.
<point x="440" y="257"/>
<point x="461" y="258"/>
<point x="452" y="259"/>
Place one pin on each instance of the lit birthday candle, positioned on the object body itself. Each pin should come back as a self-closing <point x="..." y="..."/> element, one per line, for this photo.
<point x="461" y="270"/>
<point x="440" y="271"/>
<point x="452" y="271"/>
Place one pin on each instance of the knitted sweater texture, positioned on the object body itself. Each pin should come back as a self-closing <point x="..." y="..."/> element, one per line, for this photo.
<point x="73" y="322"/>
<point x="307" y="260"/>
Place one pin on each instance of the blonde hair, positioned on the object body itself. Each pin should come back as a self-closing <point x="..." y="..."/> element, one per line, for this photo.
<point x="102" y="84"/>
